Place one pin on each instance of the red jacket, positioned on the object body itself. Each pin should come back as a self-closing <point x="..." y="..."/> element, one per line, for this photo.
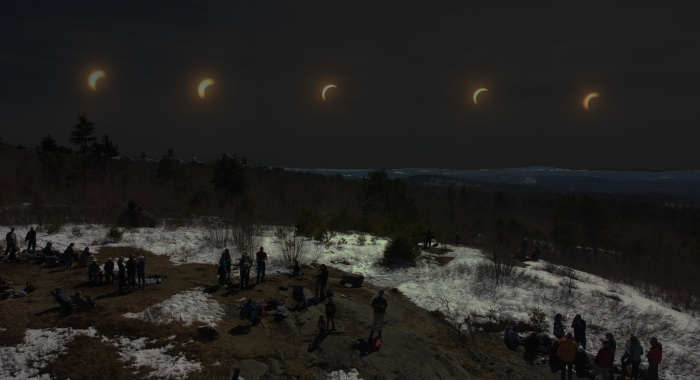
<point x="655" y="353"/>
<point x="604" y="359"/>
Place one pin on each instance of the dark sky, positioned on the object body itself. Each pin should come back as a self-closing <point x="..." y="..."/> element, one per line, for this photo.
<point x="405" y="71"/>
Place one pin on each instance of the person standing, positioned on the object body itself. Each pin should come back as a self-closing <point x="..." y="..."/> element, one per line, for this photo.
<point x="654" y="356"/>
<point x="613" y="346"/>
<point x="244" y="265"/>
<point x="109" y="271"/>
<point x="632" y="357"/>
<point x="131" y="271"/>
<point x="122" y="272"/>
<point x="330" y="313"/>
<point x="558" y="326"/>
<point x="532" y="347"/>
<point x="261" y="258"/>
<point x="567" y="353"/>
<point x="321" y="325"/>
<point x="141" y="271"/>
<point x="11" y="239"/>
<point x="223" y="274"/>
<point x="603" y="361"/>
<point x="379" y="305"/>
<point x="513" y="341"/>
<point x="321" y="281"/>
<point x="579" y="326"/>
<point x="83" y="258"/>
<point x="457" y="239"/>
<point x="31" y="240"/>
<point x="229" y="261"/>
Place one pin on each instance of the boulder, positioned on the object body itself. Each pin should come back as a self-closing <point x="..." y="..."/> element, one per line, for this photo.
<point x="355" y="279"/>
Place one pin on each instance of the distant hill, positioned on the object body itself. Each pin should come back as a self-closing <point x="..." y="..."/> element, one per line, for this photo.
<point x="679" y="182"/>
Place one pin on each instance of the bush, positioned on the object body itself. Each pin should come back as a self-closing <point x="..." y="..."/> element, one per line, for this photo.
<point x="115" y="235"/>
<point x="361" y="240"/>
<point x="401" y="250"/>
<point x="54" y="227"/>
<point x="311" y="225"/>
<point x="538" y="319"/>
<point x="77" y="232"/>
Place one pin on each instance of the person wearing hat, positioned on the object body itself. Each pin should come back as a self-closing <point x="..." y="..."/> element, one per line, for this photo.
<point x="109" y="271"/>
<point x="567" y="353"/>
<point x="131" y="271"/>
<point x="11" y="239"/>
<point x="379" y="305"/>
<point x="141" y="271"/>
<point x="122" y="272"/>
<point x="95" y="272"/>
<point x="654" y="356"/>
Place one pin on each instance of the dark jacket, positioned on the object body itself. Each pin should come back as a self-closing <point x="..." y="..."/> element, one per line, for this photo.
<point x="141" y="266"/>
<point x="31" y="236"/>
<point x="223" y="266"/>
<point x="122" y="268"/>
<point x="579" y="327"/>
<point x="559" y="329"/>
<point x="297" y="268"/>
<point x="330" y="309"/>
<point x="94" y="268"/>
<point x="531" y="344"/>
<point x="581" y="360"/>
<point x="635" y="352"/>
<point x="377" y="304"/>
<point x="244" y="264"/>
<point x="11" y="238"/>
<point x="131" y="265"/>
<point x="70" y="253"/>
<point x="261" y="256"/>
<point x="322" y="275"/>
<point x="109" y="267"/>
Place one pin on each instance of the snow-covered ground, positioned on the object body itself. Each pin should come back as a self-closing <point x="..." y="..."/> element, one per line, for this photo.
<point x="460" y="288"/>
<point x="189" y="307"/>
<point x="164" y="365"/>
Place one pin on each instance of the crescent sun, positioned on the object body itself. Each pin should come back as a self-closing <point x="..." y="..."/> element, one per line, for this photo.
<point x="203" y="86"/>
<point x="94" y="76"/>
<point x="477" y="93"/>
<point x="588" y="98"/>
<point x="323" y="94"/>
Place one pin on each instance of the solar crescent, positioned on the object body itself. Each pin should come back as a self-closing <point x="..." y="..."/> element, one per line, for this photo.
<point x="588" y="98"/>
<point x="323" y="94"/>
<point x="477" y="93"/>
<point x="94" y="76"/>
<point x="202" y="86"/>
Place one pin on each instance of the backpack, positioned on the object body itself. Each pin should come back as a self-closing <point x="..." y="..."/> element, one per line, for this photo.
<point x="359" y="344"/>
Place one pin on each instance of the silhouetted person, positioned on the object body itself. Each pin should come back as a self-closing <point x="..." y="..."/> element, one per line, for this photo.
<point x="330" y="312"/>
<point x="141" y="272"/>
<point x="11" y="239"/>
<point x="321" y="281"/>
<point x="457" y="239"/>
<point x="229" y="262"/>
<point x="223" y="273"/>
<point x="31" y="240"/>
<point x="579" y="326"/>
<point x="131" y="271"/>
<point x="244" y="265"/>
<point x="122" y="272"/>
<point x="95" y="272"/>
<point x="109" y="271"/>
<point x="261" y="258"/>
<point x="379" y="305"/>
<point x="69" y="255"/>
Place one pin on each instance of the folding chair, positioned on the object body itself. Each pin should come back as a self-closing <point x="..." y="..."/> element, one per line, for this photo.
<point x="249" y="314"/>
<point x="299" y="296"/>
<point x="65" y="305"/>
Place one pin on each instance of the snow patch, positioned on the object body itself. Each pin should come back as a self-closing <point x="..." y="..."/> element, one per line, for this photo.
<point x="342" y="375"/>
<point x="189" y="306"/>
<point x="163" y="365"/>
<point x="39" y="348"/>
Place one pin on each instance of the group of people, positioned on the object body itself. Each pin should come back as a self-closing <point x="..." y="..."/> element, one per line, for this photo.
<point x="568" y="352"/>
<point x="244" y="266"/>
<point x="524" y="255"/>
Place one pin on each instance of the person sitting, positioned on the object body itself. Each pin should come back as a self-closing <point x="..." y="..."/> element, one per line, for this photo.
<point x="28" y="288"/>
<point x="513" y="339"/>
<point x="296" y="271"/>
<point x="80" y="302"/>
<point x="62" y="300"/>
<point x="250" y="311"/>
<point x="95" y="272"/>
<point x="5" y="285"/>
<point x="49" y="250"/>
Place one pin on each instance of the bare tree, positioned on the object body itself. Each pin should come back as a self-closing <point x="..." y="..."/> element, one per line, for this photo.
<point x="501" y="264"/>
<point x="291" y="244"/>
<point x="245" y="237"/>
